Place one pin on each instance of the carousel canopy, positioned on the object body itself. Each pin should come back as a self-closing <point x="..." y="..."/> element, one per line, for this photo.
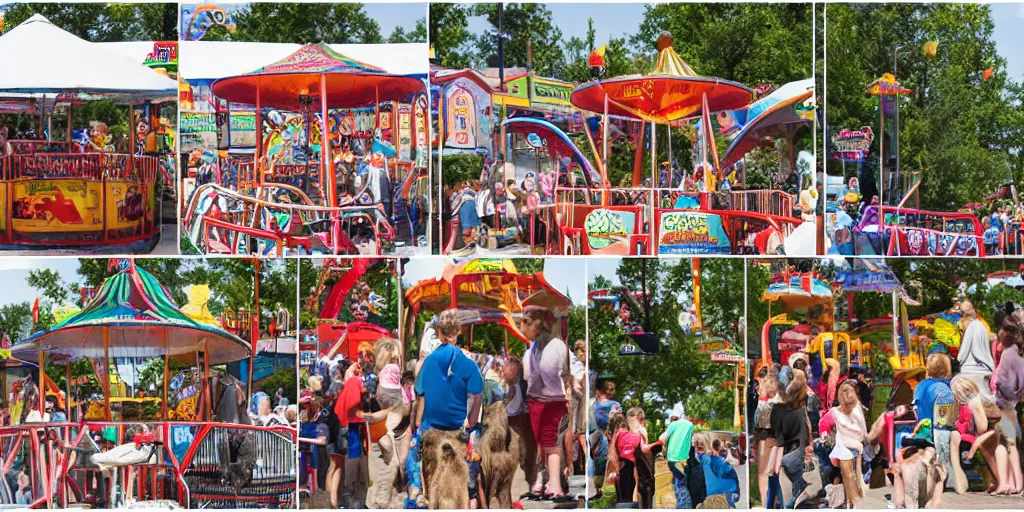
<point x="777" y="115"/>
<point x="37" y="56"/>
<point x="486" y="284"/>
<point x="142" y="321"/>
<point x="798" y="291"/>
<point x="872" y="276"/>
<point x="210" y="60"/>
<point x="886" y="85"/>
<point x="671" y="93"/>
<point x="349" y="83"/>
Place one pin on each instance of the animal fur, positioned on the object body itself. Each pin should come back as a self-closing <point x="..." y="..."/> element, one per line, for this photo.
<point x="238" y="459"/>
<point x="715" y="501"/>
<point x="499" y="456"/>
<point x="445" y="471"/>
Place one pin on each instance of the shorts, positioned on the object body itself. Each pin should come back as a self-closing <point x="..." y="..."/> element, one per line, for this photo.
<point x="544" y="418"/>
<point x="340" y="445"/>
<point x="1009" y="427"/>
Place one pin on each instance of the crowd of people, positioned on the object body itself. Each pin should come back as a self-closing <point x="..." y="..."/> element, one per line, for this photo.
<point x="451" y="429"/>
<point x="703" y="467"/>
<point x="815" y="430"/>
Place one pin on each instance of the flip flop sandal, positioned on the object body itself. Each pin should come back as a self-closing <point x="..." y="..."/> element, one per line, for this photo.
<point x="559" y="498"/>
<point x="530" y="496"/>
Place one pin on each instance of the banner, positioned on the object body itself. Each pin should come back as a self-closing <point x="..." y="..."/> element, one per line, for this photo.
<point x="197" y="130"/>
<point x="130" y="209"/>
<point x="53" y="206"/>
<point x="852" y="145"/>
<point x="692" y="233"/>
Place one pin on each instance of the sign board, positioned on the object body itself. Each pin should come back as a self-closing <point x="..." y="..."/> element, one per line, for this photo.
<point x="852" y="145"/>
<point x="550" y="92"/>
<point x="688" y="232"/>
<point x="461" y="119"/>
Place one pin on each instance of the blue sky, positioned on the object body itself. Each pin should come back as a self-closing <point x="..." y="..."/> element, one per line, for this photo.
<point x="392" y="15"/>
<point x="610" y="20"/>
<point x="1009" y="36"/>
<point x="14" y="271"/>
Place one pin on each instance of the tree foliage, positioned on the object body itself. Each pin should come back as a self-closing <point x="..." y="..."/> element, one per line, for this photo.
<point x="271" y="22"/>
<point x="956" y="123"/>
<point x="103" y="22"/>
<point x="680" y="372"/>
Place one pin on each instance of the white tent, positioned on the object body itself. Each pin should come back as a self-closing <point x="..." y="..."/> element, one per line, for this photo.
<point x="210" y="60"/>
<point x="37" y="56"/>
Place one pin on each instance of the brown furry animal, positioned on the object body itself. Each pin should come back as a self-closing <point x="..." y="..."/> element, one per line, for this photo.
<point x="499" y="456"/>
<point x="445" y="471"/>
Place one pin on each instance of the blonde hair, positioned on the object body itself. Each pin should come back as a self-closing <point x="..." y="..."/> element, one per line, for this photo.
<point x="448" y="323"/>
<point x="387" y="353"/>
<point x="964" y="389"/>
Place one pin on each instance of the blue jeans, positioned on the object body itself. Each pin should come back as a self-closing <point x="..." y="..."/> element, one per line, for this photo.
<point x="774" y="500"/>
<point x="683" y="499"/>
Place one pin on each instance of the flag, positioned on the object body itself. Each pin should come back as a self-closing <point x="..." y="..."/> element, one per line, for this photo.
<point x="596" y="59"/>
<point x="35" y="311"/>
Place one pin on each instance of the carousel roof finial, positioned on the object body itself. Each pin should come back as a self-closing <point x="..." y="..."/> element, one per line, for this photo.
<point x="669" y="62"/>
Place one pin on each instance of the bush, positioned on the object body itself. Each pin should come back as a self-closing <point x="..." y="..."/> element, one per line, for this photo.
<point x="461" y="168"/>
<point x="282" y="378"/>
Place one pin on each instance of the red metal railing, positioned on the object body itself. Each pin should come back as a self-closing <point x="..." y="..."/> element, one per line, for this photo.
<point x="88" y="166"/>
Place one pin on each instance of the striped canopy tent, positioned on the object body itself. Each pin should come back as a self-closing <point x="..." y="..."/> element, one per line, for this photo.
<point x="131" y="316"/>
<point x="317" y="71"/>
<point x="798" y="291"/>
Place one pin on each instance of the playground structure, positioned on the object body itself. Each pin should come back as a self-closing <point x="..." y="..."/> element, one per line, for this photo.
<point x="81" y="191"/>
<point x="316" y="153"/>
<point x="185" y="456"/>
<point x="570" y="207"/>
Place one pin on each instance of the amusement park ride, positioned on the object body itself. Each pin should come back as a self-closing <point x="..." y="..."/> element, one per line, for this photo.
<point x="81" y="191"/>
<point x="188" y="455"/>
<point x="572" y="208"/>
<point x="357" y="190"/>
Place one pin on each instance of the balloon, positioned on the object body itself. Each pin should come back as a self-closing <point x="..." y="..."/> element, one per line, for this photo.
<point x="930" y="48"/>
<point x="985" y="75"/>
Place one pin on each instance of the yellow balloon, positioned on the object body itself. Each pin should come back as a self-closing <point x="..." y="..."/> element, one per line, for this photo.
<point x="930" y="48"/>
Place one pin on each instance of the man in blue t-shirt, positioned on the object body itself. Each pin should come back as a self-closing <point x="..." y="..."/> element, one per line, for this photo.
<point x="449" y="386"/>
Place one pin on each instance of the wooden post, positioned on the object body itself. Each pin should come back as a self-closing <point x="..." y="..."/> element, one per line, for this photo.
<point x="106" y="372"/>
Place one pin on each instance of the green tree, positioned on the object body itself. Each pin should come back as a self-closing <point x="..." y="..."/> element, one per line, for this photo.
<point x="335" y="23"/>
<point x="449" y="34"/>
<point x="16" y="320"/>
<point x="98" y="22"/>
<point x="524" y="24"/>
<point x="417" y="35"/>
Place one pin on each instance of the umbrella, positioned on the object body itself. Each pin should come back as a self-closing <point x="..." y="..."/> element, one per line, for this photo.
<point x="671" y="93"/>
<point x="349" y="83"/>
<point x="779" y="114"/>
<point x="141" y="320"/>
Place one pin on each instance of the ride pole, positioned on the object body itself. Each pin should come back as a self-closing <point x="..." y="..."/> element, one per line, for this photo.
<point x="106" y="372"/>
<point x="259" y="135"/>
<point x="67" y="388"/>
<point x="42" y="383"/>
<point x="604" y="141"/>
<point x="206" y="380"/>
<point x="654" y="155"/>
<point x="254" y="332"/>
<point x="167" y="367"/>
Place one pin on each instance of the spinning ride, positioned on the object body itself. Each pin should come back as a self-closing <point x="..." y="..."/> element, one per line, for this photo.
<point x="78" y="192"/>
<point x="205" y="461"/>
<point x="268" y="212"/>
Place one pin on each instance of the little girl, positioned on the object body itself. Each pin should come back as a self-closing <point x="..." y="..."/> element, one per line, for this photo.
<point x="621" y="460"/>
